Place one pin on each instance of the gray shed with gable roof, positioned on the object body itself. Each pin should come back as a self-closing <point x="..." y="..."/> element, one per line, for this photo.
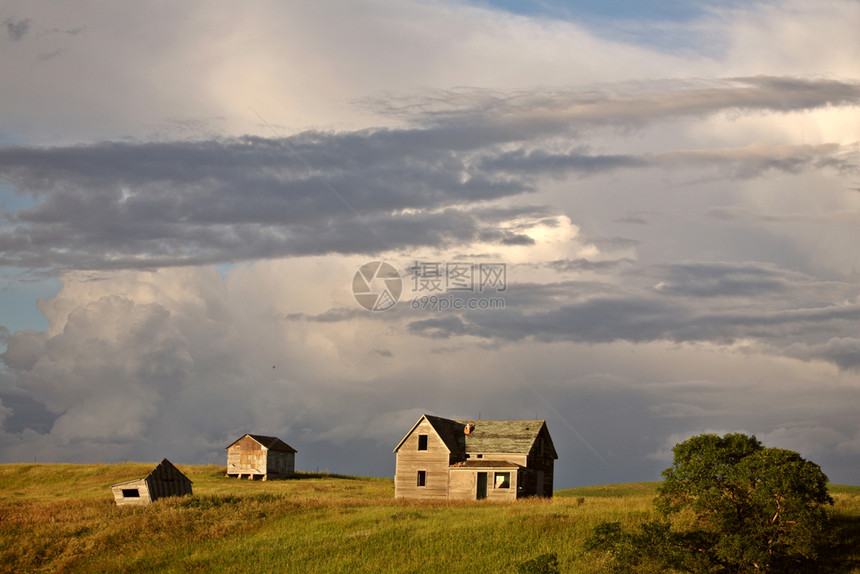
<point x="260" y="457"/>
<point x="164" y="480"/>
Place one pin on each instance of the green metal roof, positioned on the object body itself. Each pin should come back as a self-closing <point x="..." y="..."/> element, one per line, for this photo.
<point x="487" y="437"/>
<point x="500" y="436"/>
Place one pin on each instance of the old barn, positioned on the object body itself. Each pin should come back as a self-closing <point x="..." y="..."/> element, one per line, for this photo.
<point x="449" y="459"/>
<point x="164" y="480"/>
<point x="260" y="457"/>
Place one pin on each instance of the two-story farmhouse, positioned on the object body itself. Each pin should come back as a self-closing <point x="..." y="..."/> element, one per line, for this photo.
<point x="465" y="459"/>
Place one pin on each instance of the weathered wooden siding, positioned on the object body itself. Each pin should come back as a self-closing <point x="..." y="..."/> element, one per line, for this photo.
<point x="490" y="447"/>
<point x="139" y="485"/>
<point x="166" y="480"/>
<point x="281" y="463"/>
<point x="541" y="466"/>
<point x="463" y="484"/>
<point x="434" y="461"/>
<point x="246" y="457"/>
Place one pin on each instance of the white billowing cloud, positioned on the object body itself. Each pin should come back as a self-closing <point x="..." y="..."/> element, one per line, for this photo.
<point x="180" y="361"/>
<point x="196" y="69"/>
<point x="793" y="35"/>
<point x="116" y="351"/>
<point x="723" y="170"/>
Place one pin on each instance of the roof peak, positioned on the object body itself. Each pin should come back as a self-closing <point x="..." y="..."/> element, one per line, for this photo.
<point x="486" y="420"/>
<point x="269" y="442"/>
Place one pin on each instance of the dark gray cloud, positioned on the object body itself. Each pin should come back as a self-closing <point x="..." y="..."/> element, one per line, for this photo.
<point x="841" y="351"/>
<point x="742" y="163"/>
<point x="612" y="244"/>
<point x="639" y="319"/>
<point x="559" y="165"/>
<point x="597" y="320"/>
<point x="611" y="331"/>
<point x="45" y="56"/>
<point x="17" y="29"/>
<point x="147" y="205"/>
<point x="622" y="105"/>
<point x="583" y="264"/>
<point x="755" y="161"/>
<point x="726" y="280"/>
<point x="738" y="213"/>
<point x="439" y="327"/>
<point x="26" y="413"/>
<point x="151" y="204"/>
<point x="720" y="303"/>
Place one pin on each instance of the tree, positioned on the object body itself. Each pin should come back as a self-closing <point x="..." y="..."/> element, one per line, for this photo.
<point x="743" y="507"/>
<point x="762" y="506"/>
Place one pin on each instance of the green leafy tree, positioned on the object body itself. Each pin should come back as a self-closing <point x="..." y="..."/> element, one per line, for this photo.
<point x="743" y="507"/>
<point x="764" y="506"/>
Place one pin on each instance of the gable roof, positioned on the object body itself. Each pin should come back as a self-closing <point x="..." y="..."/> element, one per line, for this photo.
<point x="449" y="431"/>
<point x="268" y="442"/>
<point x="164" y="470"/>
<point x="444" y="428"/>
<point x="486" y="437"/>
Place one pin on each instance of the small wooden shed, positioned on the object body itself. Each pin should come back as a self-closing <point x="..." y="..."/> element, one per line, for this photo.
<point x="260" y="457"/>
<point x="164" y="480"/>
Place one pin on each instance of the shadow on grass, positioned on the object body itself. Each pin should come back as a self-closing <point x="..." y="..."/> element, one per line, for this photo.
<point x="221" y="472"/>
<point x="300" y="475"/>
<point x="843" y="553"/>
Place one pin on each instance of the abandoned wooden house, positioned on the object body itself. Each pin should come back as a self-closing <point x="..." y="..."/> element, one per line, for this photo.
<point x="164" y="480"/>
<point x="448" y="459"/>
<point x="259" y="457"/>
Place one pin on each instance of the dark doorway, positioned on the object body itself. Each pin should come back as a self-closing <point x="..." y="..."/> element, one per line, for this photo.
<point x="482" y="485"/>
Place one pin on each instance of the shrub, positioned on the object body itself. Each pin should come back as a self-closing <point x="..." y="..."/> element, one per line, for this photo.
<point x="543" y="564"/>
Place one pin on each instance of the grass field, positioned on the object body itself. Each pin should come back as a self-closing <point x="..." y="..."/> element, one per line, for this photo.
<point x="62" y="518"/>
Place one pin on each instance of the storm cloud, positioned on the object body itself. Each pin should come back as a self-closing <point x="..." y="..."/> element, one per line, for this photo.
<point x="149" y="204"/>
<point x="187" y="193"/>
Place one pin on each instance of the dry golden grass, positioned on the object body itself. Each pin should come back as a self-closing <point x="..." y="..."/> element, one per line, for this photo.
<point x="61" y="518"/>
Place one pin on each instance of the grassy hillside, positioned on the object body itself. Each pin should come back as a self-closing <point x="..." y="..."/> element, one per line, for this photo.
<point x="62" y="518"/>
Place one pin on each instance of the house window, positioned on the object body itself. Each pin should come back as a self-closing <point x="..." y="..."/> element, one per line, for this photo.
<point x="503" y="480"/>
<point x="422" y="442"/>
<point x="422" y="478"/>
<point x="479" y="456"/>
<point x="130" y="493"/>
